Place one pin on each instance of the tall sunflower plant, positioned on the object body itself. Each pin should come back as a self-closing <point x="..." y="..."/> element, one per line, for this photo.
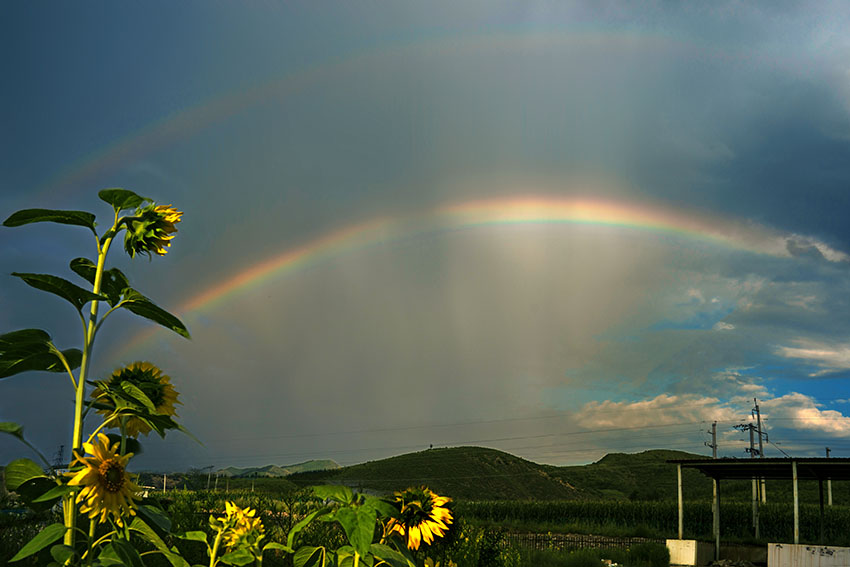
<point x="101" y="509"/>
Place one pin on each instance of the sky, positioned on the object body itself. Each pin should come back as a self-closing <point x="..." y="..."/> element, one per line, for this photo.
<point x="558" y="229"/>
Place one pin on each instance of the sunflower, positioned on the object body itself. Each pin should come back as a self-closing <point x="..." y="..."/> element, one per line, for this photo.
<point x="423" y="516"/>
<point x="152" y="382"/>
<point x="107" y="488"/>
<point x="239" y="527"/>
<point x="151" y="230"/>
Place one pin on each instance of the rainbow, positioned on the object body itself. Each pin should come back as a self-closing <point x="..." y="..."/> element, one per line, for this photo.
<point x="472" y="214"/>
<point x="540" y="210"/>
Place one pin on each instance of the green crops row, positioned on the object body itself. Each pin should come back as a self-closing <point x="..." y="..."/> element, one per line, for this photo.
<point x="777" y="520"/>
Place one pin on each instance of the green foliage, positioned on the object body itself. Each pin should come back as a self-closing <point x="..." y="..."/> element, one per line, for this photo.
<point x="121" y="199"/>
<point x="32" y="349"/>
<point x="27" y="216"/>
<point x="73" y="294"/>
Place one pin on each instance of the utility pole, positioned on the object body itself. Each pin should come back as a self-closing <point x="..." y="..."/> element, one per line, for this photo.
<point x="752" y="451"/>
<point x="763" y="485"/>
<point x="216" y="482"/>
<point x="713" y="443"/>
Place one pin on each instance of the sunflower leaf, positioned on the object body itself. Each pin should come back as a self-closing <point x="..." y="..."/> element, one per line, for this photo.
<point x="12" y="429"/>
<point x="127" y="553"/>
<point x="193" y="536"/>
<point x="239" y="557"/>
<point x="131" y="444"/>
<point x="359" y="525"/>
<point x="42" y="539"/>
<point x="21" y="470"/>
<point x="144" y="307"/>
<point x="121" y="199"/>
<point x="62" y="553"/>
<point x="27" y="216"/>
<point x="278" y="546"/>
<point x="149" y="534"/>
<point x="309" y="556"/>
<point x="290" y="540"/>
<point x="390" y="556"/>
<point x="74" y="294"/>
<point x="113" y="281"/>
<point x="341" y="494"/>
<point x="31" y="349"/>
<point x="155" y="516"/>
<point x="32" y="490"/>
<point x="135" y="393"/>
<point x="54" y="493"/>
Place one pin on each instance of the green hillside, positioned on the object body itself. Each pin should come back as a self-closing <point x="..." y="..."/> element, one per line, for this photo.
<point x="459" y="472"/>
<point x="275" y="471"/>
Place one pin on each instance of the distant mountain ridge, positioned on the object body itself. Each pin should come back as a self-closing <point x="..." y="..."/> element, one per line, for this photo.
<point x="275" y="471"/>
<point x="477" y="473"/>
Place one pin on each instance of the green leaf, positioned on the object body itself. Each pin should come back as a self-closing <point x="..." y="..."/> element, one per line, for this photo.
<point x="31" y="349"/>
<point x="278" y="546"/>
<point x="127" y="553"/>
<point x="42" y="539"/>
<point x="33" y="489"/>
<point x="384" y="508"/>
<point x="138" y="395"/>
<point x="308" y="556"/>
<point x="113" y="282"/>
<point x="341" y="494"/>
<point x="149" y="534"/>
<point x="193" y="536"/>
<point x="121" y="199"/>
<point x="144" y="307"/>
<point x="238" y="557"/>
<point x="26" y="216"/>
<point x="390" y="555"/>
<point x="359" y="525"/>
<point x="156" y="517"/>
<point x="290" y="540"/>
<point x="21" y="470"/>
<point x="72" y="293"/>
<point x="12" y="429"/>
<point x="56" y="492"/>
<point x="131" y="445"/>
<point x="61" y="553"/>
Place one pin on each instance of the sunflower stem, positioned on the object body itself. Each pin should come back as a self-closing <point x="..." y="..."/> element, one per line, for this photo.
<point x="214" y="551"/>
<point x="69" y="503"/>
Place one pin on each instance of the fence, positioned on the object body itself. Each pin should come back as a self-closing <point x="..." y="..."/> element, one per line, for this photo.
<point x="573" y="541"/>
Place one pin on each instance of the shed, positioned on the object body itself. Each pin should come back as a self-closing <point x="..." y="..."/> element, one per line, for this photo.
<point x="790" y="468"/>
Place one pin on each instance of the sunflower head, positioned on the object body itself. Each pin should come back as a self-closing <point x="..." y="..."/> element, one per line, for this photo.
<point x="107" y="487"/>
<point x="422" y="516"/>
<point x="152" y="382"/>
<point x="151" y="230"/>
<point x="239" y="526"/>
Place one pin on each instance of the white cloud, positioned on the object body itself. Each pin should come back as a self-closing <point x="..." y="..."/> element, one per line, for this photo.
<point x="660" y="410"/>
<point x="804" y="413"/>
<point x="723" y="326"/>
<point x="830" y="357"/>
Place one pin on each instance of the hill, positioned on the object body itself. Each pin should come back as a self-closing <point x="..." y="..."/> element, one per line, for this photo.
<point x="635" y="476"/>
<point x="275" y="471"/>
<point x="473" y="473"/>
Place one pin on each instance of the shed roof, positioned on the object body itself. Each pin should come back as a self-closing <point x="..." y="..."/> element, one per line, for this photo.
<point x="774" y="468"/>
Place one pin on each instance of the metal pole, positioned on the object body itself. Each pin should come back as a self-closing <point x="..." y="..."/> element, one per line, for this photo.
<point x="716" y="519"/>
<point x="796" y="503"/>
<point x="828" y="485"/>
<point x="681" y="522"/>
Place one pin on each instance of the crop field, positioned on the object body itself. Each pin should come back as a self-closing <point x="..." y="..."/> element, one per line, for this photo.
<point x="486" y="533"/>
